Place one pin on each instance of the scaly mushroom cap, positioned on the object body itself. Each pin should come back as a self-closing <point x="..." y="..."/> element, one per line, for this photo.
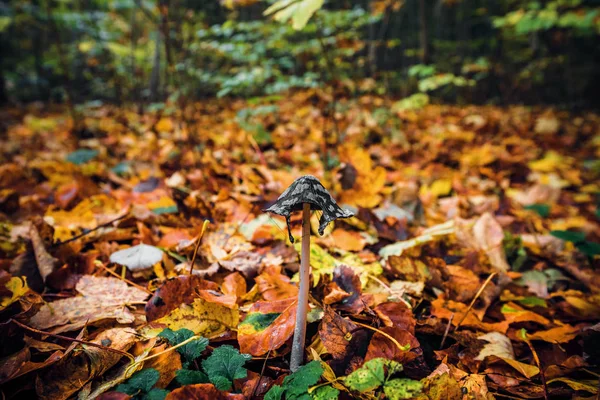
<point x="308" y="189"/>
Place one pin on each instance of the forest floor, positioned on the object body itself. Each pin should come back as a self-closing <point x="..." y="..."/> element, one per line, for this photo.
<point x="468" y="272"/>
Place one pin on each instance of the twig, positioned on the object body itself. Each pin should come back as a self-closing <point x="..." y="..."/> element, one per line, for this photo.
<point x="537" y="362"/>
<point x="402" y="348"/>
<point x="92" y="344"/>
<point x="91" y="230"/>
<point x="262" y="372"/>
<point x="489" y="278"/>
<point x="446" y="332"/>
<point x="123" y="279"/>
<point x="204" y="225"/>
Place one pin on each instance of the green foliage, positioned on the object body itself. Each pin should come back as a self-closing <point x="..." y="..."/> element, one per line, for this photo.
<point x="402" y="388"/>
<point x="588" y="248"/>
<point x="295" y="386"/>
<point x="189" y="351"/>
<point x="141" y="384"/>
<point x="325" y="393"/>
<point x="249" y="120"/>
<point x="414" y="102"/>
<point x="516" y="255"/>
<point x="372" y="374"/>
<point x="82" y="156"/>
<point x="190" y="377"/>
<point x="377" y="373"/>
<point x="225" y="365"/>
<point x="569" y="236"/>
<point x="543" y="210"/>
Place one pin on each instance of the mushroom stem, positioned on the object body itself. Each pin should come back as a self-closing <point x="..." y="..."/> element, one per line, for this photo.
<point x="302" y="308"/>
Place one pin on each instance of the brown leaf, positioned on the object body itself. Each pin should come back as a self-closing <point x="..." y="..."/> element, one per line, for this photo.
<point x="167" y="364"/>
<point x="202" y="391"/>
<point x="336" y="333"/>
<point x="333" y="294"/>
<point x="234" y="284"/>
<point x="382" y="346"/>
<point x="45" y="262"/>
<point x="267" y="326"/>
<point x="396" y="315"/>
<point x="101" y="298"/>
<point x="349" y="282"/>
<point x="71" y="373"/>
<point x="180" y="290"/>
<point x="273" y="285"/>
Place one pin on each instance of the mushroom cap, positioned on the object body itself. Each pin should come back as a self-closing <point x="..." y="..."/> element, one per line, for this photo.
<point x="308" y="189"/>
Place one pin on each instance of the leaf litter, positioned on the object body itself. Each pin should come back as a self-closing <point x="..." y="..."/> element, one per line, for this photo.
<point x="468" y="270"/>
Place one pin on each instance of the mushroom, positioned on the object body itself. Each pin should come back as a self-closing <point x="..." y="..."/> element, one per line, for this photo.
<point x="305" y="193"/>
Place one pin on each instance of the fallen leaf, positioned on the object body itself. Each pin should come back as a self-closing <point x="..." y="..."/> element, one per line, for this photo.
<point x="336" y="333"/>
<point x="70" y="374"/>
<point x="267" y="326"/>
<point x="201" y="317"/>
<point x="382" y="346"/>
<point x="174" y="292"/>
<point x="101" y="298"/>
<point x="202" y="391"/>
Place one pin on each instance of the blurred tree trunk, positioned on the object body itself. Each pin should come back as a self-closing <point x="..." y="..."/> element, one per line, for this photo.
<point x="155" y="75"/>
<point x="423" y="35"/>
<point x="3" y="96"/>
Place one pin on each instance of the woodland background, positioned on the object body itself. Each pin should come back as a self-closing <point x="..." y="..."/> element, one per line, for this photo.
<point x="475" y="51"/>
<point x="140" y="142"/>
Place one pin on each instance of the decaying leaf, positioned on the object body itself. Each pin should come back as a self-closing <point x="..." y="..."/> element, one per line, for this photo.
<point x="100" y="299"/>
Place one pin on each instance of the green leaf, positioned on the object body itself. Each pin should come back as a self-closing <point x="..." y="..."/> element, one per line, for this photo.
<point x="190" y="351"/>
<point x="274" y="393"/>
<point x="372" y="374"/>
<point x="190" y="377"/>
<point x="589" y="248"/>
<point x="543" y="210"/>
<point x="325" y="393"/>
<point x="397" y="389"/>
<point x="81" y="156"/>
<point x="569" y="236"/>
<point x="141" y="381"/>
<point x="156" y="394"/>
<point x="295" y="386"/>
<point x="225" y="365"/>
<point x="532" y="301"/>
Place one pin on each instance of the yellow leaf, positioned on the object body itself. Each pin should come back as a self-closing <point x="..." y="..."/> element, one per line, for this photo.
<point x="18" y="287"/>
<point x="527" y="370"/>
<point x="202" y="317"/>
<point x="164" y="125"/>
<point x="552" y="161"/>
<point x="568" y="223"/>
<point x="585" y="385"/>
<point x="441" y="187"/>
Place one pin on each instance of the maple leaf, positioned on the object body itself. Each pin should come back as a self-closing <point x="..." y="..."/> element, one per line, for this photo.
<point x="225" y="365"/>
